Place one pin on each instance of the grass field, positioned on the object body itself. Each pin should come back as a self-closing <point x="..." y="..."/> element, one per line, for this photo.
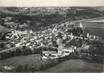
<point x="32" y="63"/>
<point x="27" y="63"/>
<point x="76" y="65"/>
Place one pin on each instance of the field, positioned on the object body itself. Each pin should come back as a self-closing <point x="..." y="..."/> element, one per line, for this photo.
<point x="22" y="61"/>
<point x="76" y="65"/>
<point x="35" y="63"/>
<point x="27" y="63"/>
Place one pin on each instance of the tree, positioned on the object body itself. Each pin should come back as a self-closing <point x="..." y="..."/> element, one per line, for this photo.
<point x="96" y="48"/>
<point x="77" y="31"/>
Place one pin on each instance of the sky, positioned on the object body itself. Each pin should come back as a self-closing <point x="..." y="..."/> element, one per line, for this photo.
<point x="47" y="3"/>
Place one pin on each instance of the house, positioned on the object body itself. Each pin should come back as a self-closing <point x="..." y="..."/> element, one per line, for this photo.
<point x="49" y="54"/>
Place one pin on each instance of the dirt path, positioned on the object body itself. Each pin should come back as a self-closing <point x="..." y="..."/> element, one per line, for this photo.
<point x="75" y="65"/>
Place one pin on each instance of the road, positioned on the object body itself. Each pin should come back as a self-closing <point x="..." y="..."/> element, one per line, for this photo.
<point x="76" y="65"/>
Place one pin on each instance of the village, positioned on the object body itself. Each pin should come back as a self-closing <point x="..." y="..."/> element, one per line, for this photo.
<point x="30" y="42"/>
<point x="51" y="43"/>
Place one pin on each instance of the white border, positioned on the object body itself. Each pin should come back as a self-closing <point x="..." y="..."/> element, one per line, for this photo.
<point x="47" y="3"/>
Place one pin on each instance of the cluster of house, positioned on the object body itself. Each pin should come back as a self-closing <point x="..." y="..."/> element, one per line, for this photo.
<point x="54" y="37"/>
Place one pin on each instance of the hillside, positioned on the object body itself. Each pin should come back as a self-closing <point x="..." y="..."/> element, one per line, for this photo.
<point x="42" y="17"/>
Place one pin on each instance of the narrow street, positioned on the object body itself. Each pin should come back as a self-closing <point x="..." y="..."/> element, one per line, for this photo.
<point x="75" y="65"/>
